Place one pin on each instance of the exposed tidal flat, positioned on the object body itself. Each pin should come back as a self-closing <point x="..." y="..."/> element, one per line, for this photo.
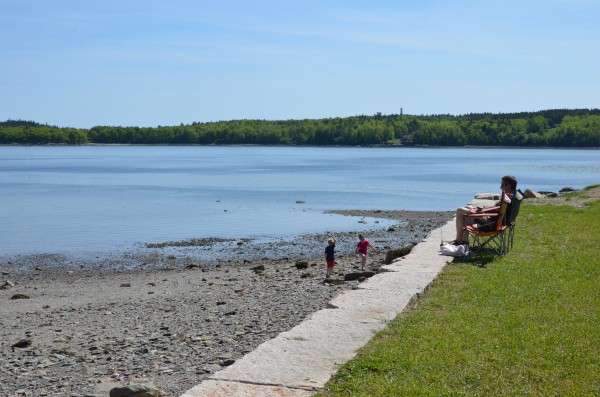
<point x="160" y="315"/>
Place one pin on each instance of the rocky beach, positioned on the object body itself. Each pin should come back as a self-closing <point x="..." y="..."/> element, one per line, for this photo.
<point x="171" y="313"/>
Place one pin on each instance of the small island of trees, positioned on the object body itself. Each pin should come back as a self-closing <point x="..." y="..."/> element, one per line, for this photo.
<point x="548" y="128"/>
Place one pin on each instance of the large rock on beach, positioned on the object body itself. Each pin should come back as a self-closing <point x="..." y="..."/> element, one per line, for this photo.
<point x="567" y="189"/>
<point x="530" y="194"/>
<point x="22" y="343"/>
<point x="136" y="391"/>
<point x="397" y="253"/>
<point x="358" y="275"/>
<point x="20" y="296"/>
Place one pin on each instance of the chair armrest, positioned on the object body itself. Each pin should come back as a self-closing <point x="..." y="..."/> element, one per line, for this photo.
<point x="481" y="215"/>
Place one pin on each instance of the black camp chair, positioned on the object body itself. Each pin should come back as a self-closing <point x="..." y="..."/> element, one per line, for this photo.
<point x="511" y="217"/>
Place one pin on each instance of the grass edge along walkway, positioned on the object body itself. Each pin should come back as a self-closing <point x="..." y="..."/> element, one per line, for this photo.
<point x="524" y="324"/>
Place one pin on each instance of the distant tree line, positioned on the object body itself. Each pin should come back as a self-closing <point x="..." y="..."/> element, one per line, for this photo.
<point x="550" y="128"/>
<point x="32" y="133"/>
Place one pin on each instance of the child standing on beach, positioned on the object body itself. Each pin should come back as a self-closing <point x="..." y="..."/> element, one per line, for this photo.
<point x="362" y="250"/>
<point x="330" y="256"/>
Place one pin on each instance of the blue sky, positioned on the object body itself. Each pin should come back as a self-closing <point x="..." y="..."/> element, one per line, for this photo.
<point x="81" y="63"/>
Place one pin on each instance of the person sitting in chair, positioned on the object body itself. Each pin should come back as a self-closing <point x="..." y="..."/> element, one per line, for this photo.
<point x="508" y="185"/>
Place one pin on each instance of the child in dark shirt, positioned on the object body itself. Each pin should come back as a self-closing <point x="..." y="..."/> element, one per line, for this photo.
<point x="330" y="256"/>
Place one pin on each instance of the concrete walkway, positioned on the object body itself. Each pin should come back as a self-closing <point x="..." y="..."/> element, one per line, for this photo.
<point x="299" y="362"/>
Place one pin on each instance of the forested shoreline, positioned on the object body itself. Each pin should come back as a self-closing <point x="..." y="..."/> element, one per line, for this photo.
<point x="547" y="128"/>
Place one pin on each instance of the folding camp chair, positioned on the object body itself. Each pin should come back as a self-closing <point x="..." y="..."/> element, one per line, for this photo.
<point x="492" y="229"/>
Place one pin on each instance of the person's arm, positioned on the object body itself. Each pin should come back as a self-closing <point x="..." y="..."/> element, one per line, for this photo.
<point x="480" y="210"/>
<point x="373" y="248"/>
<point x="505" y="197"/>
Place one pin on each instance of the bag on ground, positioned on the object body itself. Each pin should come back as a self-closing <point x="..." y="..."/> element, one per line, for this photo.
<point x="454" y="250"/>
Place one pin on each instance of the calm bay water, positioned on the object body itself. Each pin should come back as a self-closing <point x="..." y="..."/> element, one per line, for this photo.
<point x="100" y="198"/>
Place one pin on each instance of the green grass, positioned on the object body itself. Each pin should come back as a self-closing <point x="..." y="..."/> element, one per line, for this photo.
<point x="525" y="324"/>
<point x="579" y="193"/>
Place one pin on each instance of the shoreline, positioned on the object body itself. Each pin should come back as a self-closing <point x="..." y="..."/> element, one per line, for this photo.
<point x="212" y="251"/>
<point x="382" y="145"/>
<point x="173" y="320"/>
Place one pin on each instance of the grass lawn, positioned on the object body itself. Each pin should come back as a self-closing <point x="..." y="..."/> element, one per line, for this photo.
<point x="526" y="324"/>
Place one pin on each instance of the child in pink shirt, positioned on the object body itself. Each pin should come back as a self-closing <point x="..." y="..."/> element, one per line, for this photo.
<point x="362" y="250"/>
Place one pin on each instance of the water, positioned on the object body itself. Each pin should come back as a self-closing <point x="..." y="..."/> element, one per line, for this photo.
<point x="100" y="198"/>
